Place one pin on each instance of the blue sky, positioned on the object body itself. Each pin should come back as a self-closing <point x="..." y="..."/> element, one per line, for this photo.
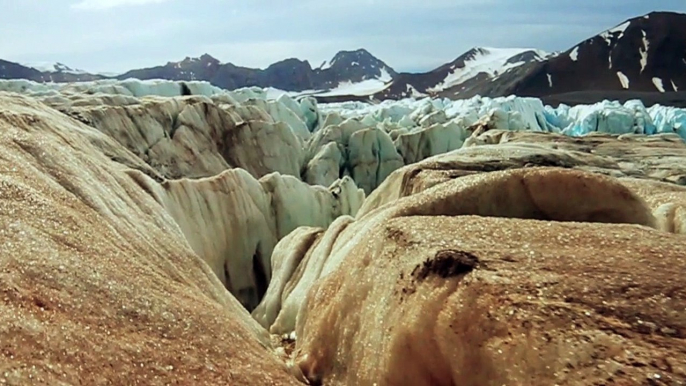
<point x="409" y="35"/>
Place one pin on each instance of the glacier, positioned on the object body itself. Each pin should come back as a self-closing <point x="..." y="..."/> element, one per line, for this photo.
<point x="320" y="143"/>
<point x="523" y="113"/>
<point x="136" y="208"/>
<point x="509" y="113"/>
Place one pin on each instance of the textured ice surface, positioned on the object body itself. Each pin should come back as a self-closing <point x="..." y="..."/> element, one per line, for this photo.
<point x="396" y="118"/>
<point x="515" y="113"/>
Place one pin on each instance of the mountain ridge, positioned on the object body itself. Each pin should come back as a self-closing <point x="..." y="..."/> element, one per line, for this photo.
<point x="642" y="54"/>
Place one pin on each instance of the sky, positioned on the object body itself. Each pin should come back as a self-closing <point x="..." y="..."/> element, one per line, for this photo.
<point x="409" y="35"/>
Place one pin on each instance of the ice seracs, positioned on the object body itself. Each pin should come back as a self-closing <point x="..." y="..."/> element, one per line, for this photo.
<point x="265" y="132"/>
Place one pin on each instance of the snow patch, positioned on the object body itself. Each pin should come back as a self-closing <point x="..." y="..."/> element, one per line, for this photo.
<point x="326" y="65"/>
<point x="623" y="79"/>
<point x="109" y="74"/>
<point x="385" y="75"/>
<point x="550" y="80"/>
<point x="492" y="61"/>
<point x="644" y="52"/>
<point x="674" y="86"/>
<point x="621" y="28"/>
<point x="658" y="84"/>
<point x="607" y="35"/>
<point x="414" y="93"/>
<point x="574" y="55"/>
<point x="363" y="88"/>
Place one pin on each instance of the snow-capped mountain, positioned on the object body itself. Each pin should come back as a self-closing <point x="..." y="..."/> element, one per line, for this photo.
<point x="45" y="72"/>
<point x="353" y="67"/>
<point x="54" y="67"/>
<point x="489" y="61"/>
<point x="356" y="72"/>
<point x="357" y="69"/>
<point x="351" y="73"/>
<point x="646" y="54"/>
<point x="478" y="65"/>
<point x="643" y="54"/>
<point x="201" y="68"/>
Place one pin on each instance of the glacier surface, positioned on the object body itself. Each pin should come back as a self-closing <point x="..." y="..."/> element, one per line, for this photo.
<point x="365" y="141"/>
<point x="521" y="113"/>
<point x="279" y="162"/>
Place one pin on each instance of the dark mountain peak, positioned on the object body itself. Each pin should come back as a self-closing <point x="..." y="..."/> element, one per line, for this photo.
<point x="12" y="70"/>
<point x="658" y="20"/>
<point x="353" y="66"/>
<point x="206" y="60"/>
<point x="666" y="14"/>
<point x="641" y="54"/>
<point x="526" y="56"/>
<point x="291" y="62"/>
<point x="359" y="53"/>
<point x="345" y="60"/>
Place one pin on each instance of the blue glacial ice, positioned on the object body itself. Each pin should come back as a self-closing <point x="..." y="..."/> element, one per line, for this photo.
<point x="411" y="115"/>
<point x="519" y="113"/>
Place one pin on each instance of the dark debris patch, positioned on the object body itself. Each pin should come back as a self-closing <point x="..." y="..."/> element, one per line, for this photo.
<point x="446" y="263"/>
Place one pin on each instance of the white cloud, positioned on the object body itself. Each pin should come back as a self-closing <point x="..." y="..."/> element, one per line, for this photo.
<point x="107" y="4"/>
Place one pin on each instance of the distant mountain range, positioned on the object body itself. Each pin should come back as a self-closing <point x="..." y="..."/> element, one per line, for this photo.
<point x="643" y="54"/>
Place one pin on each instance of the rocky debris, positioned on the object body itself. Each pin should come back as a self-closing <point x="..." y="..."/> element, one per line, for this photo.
<point x="446" y="263"/>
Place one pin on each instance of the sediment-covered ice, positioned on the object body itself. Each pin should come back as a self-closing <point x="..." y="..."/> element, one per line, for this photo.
<point x="124" y="220"/>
